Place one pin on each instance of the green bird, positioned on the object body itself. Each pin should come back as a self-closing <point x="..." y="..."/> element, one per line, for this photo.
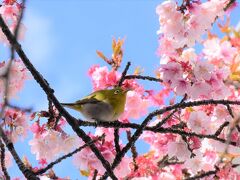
<point x="103" y="105"/>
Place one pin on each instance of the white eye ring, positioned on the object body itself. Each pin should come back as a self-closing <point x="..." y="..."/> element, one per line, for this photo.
<point x="116" y="92"/>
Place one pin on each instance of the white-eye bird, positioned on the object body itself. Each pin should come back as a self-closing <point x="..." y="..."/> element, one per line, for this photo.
<point x="103" y="105"/>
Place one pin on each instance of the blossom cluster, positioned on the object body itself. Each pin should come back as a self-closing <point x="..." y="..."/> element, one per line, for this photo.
<point x="182" y="29"/>
<point x="10" y="11"/>
<point x="18" y="74"/>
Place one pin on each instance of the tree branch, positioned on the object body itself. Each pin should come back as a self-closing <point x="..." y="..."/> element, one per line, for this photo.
<point x="143" y="78"/>
<point x="4" y="170"/>
<point x="26" y="172"/>
<point x="124" y="74"/>
<point x="50" y="93"/>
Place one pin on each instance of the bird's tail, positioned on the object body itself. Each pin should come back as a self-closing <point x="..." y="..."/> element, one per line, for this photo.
<point x="68" y="104"/>
<point x="71" y="105"/>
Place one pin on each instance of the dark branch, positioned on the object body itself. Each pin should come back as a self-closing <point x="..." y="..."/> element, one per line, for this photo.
<point x="159" y="130"/>
<point x="218" y="132"/>
<point x="124" y="74"/>
<point x="95" y="174"/>
<point x="49" y="92"/>
<point x="116" y="140"/>
<point x="133" y="151"/>
<point x="4" y="169"/>
<point x="230" y="110"/>
<point x="143" y="78"/>
<point x="26" y="172"/>
<point x="231" y="2"/>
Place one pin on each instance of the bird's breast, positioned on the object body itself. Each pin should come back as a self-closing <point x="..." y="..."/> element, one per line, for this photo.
<point x="98" y="111"/>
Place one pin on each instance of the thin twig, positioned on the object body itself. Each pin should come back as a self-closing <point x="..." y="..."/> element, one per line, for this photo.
<point x="199" y="176"/>
<point x="124" y="74"/>
<point x="218" y="132"/>
<point x="28" y="110"/>
<point x="188" y="146"/>
<point x="149" y="78"/>
<point x="159" y="124"/>
<point x="230" y="110"/>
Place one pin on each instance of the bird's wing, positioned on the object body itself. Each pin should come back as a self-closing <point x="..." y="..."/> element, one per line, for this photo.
<point x="92" y="98"/>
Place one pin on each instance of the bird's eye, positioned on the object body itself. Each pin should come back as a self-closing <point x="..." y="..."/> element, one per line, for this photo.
<point x="116" y="92"/>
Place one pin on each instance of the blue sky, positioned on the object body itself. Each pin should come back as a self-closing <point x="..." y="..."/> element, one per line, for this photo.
<point x="61" y="41"/>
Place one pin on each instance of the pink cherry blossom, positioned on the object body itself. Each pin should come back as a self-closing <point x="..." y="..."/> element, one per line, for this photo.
<point x="86" y="160"/>
<point x="102" y="78"/>
<point x="195" y="164"/>
<point x="202" y="70"/>
<point x="189" y="55"/>
<point x="136" y="105"/>
<point x="158" y="142"/>
<point x="10" y="13"/>
<point x="219" y="52"/>
<point x="178" y="149"/>
<point x="109" y="133"/>
<point x="18" y="124"/>
<point x="171" y="71"/>
<point x="181" y="86"/>
<point x="50" y="144"/>
<point x="227" y="172"/>
<point x="182" y="29"/>
<point x="18" y="76"/>
<point x="147" y="167"/>
<point x="199" y="122"/>
<point x="199" y="89"/>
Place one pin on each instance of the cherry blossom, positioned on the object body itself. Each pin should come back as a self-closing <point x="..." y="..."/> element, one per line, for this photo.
<point x="199" y="122"/>
<point x="18" y="76"/>
<point x="102" y="78"/>
<point x="136" y="105"/>
<point x="178" y="149"/>
<point x="50" y="144"/>
<point x="86" y="160"/>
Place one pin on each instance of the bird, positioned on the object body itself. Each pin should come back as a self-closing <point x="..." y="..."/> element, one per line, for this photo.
<point x="102" y="105"/>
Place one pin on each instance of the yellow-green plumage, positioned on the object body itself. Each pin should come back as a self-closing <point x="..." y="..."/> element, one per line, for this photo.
<point x="102" y="105"/>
